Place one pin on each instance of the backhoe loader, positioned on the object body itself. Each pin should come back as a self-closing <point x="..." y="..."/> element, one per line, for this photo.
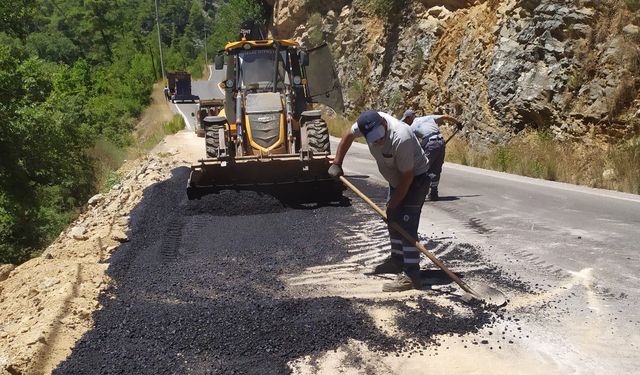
<point x="268" y="136"/>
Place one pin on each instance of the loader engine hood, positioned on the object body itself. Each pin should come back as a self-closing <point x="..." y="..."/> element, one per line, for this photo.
<point x="265" y="123"/>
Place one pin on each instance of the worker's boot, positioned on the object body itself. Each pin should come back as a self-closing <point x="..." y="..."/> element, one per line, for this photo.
<point x="389" y="265"/>
<point x="407" y="280"/>
<point x="433" y="194"/>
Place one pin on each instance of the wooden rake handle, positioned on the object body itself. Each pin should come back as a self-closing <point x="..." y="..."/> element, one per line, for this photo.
<point x="407" y="236"/>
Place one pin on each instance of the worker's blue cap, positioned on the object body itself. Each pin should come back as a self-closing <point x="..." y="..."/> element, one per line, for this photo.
<point x="370" y="125"/>
<point x="408" y="113"/>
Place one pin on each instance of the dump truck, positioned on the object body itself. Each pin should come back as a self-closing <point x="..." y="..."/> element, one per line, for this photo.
<point x="269" y="137"/>
<point x="179" y="84"/>
<point x="206" y="107"/>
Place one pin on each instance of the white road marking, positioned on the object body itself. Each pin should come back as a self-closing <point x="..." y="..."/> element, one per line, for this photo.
<point x="527" y="180"/>
<point x="549" y="184"/>
<point x="187" y="125"/>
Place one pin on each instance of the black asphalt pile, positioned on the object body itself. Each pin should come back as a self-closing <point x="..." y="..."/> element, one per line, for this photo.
<point x="197" y="290"/>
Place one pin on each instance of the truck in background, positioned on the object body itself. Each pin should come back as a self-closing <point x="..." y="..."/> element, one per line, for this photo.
<point x="179" y="84"/>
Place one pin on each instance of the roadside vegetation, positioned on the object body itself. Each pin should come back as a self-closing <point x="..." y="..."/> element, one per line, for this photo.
<point x="74" y="78"/>
<point x="538" y="155"/>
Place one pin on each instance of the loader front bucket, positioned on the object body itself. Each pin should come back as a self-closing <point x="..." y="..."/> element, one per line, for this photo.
<point x="290" y="178"/>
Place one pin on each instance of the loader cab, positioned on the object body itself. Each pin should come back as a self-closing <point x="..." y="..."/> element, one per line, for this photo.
<point x="262" y="70"/>
<point x="277" y="65"/>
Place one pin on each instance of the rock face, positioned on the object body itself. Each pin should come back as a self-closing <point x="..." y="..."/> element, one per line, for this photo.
<point x="572" y="68"/>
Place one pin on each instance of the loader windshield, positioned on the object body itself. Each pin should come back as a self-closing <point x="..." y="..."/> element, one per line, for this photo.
<point x="257" y="67"/>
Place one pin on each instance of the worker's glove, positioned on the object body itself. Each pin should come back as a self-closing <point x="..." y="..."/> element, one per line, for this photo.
<point x="335" y="171"/>
<point x="459" y="125"/>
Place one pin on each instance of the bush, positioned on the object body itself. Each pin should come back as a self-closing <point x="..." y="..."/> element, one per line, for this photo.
<point x="385" y="8"/>
<point x="356" y="93"/>
<point x="633" y="4"/>
<point x="175" y="125"/>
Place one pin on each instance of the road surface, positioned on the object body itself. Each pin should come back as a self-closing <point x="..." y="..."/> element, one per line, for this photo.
<point x="205" y="89"/>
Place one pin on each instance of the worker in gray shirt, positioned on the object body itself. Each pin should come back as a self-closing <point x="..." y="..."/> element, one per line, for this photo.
<point x="432" y="142"/>
<point x="402" y="163"/>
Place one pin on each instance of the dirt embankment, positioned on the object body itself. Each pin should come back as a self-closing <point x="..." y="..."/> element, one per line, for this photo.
<point x="47" y="302"/>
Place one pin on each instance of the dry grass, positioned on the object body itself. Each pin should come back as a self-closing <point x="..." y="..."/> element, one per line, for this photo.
<point x="338" y="125"/>
<point x="538" y="155"/>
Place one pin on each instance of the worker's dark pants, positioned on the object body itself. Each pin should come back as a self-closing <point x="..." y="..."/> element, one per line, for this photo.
<point x="407" y="215"/>
<point x="434" y="149"/>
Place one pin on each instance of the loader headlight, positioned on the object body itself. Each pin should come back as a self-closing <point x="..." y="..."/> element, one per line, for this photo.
<point x="246" y="46"/>
<point x="228" y="83"/>
<point x="297" y="80"/>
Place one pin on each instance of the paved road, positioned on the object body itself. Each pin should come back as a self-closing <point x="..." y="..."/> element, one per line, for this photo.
<point x="205" y="89"/>
<point x="580" y="246"/>
<point x="577" y="247"/>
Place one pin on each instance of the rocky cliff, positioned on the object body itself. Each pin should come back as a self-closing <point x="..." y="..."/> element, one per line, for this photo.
<point x="570" y="67"/>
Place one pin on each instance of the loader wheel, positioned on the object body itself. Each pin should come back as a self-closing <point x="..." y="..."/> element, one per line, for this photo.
<point x="211" y="139"/>
<point x="318" y="135"/>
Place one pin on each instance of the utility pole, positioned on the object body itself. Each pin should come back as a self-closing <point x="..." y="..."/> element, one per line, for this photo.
<point x="205" y="46"/>
<point x="204" y="27"/>
<point x="159" y="40"/>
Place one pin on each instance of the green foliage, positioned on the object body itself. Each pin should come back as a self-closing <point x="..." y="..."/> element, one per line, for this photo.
<point x="17" y="17"/>
<point x="503" y="158"/>
<point x="175" y="125"/>
<point x="396" y="100"/>
<point x="314" y="23"/>
<point x="356" y="93"/>
<point x="633" y="5"/>
<point x="113" y="178"/>
<point x="418" y="60"/>
<point x="228" y="19"/>
<point x="74" y="75"/>
<point x="384" y="8"/>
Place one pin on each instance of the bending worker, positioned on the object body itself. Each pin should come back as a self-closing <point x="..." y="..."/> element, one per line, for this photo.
<point x="432" y="142"/>
<point x="402" y="163"/>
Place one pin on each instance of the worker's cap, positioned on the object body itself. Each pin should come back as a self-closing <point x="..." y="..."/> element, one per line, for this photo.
<point x="408" y="113"/>
<point x="370" y="125"/>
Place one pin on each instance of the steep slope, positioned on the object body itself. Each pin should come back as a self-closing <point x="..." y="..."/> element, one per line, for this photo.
<point x="502" y="66"/>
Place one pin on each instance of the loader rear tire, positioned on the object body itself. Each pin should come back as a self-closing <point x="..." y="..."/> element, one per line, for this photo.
<point x="212" y="140"/>
<point x="318" y="135"/>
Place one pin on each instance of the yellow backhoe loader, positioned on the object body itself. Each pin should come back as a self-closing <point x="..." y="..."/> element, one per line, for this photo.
<point x="268" y="137"/>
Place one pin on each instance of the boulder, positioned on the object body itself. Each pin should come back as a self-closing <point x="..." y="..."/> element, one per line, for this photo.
<point x="78" y="233"/>
<point x="119" y="235"/>
<point x="5" y="270"/>
<point x="631" y="30"/>
<point x="95" y="199"/>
